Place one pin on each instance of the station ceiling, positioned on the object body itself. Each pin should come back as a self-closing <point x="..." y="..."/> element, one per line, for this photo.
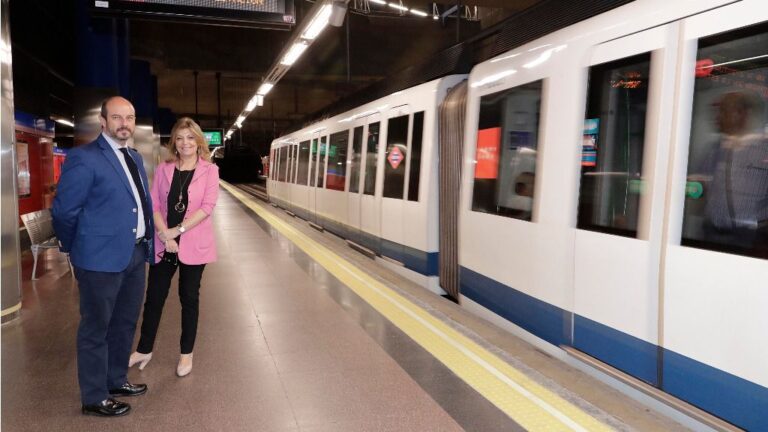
<point x="344" y="60"/>
<point x="366" y="49"/>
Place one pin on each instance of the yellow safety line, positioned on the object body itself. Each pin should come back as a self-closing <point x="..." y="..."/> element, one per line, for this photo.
<point x="528" y="403"/>
<point x="11" y="309"/>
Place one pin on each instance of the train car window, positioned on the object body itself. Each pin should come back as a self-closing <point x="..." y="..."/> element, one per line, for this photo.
<point x="303" y="163"/>
<point x="612" y="146"/>
<point x="321" y="150"/>
<point x="283" y="163"/>
<point x="397" y="151"/>
<point x="507" y="141"/>
<point x="354" y="160"/>
<point x="726" y="195"/>
<point x="312" y="162"/>
<point x="290" y="164"/>
<point x="371" y="158"/>
<point x="295" y="163"/>
<point x="336" y="174"/>
<point x="415" y="170"/>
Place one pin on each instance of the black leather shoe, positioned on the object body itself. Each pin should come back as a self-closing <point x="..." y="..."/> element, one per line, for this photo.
<point x="128" y="389"/>
<point x="107" y="408"/>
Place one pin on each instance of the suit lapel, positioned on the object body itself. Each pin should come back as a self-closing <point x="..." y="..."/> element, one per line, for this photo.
<point x="109" y="153"/>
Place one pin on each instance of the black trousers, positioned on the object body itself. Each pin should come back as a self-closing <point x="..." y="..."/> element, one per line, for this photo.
<point x="160" y="276"/>
<point x="109" y="308"/>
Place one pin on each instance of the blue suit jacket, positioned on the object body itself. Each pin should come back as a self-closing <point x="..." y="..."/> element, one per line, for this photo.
<point x="94" y="212"/>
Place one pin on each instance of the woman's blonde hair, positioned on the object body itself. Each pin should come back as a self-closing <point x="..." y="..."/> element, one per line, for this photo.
<point x="202" y="146"/>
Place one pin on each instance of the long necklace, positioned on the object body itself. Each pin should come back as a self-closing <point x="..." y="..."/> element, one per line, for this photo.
<point x="180" y="207"/>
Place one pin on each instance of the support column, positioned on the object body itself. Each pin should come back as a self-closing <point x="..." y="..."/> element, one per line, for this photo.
<point x="11" y="261"/>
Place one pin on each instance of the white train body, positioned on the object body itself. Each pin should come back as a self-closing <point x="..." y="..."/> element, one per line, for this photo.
<point x="621" y="284"/>
<point x="397" y="228"/>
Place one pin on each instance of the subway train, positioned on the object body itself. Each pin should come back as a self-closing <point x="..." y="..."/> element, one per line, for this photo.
<point x="602" y="190"/>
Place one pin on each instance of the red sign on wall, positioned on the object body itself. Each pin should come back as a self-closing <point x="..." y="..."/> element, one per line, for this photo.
<point x="488" y="143"/>
<point x="395" y="157"/>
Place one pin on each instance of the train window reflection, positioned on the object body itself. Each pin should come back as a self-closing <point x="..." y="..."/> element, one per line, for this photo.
<point x="505" y="161"/>
<point x="354" y="160"/>
<point x="291" y="164"/>
<point x="318" y="155"/>
<point x="726" y="195"/>
<point x="415" y="170"/>
<point x="283" y="163"/>
<point x="336" y="174"/>
<point x="612" y="146"/>
<point x="371" y="158"/>
<point x="397" y="151"/>
<point x="303" y="163"/>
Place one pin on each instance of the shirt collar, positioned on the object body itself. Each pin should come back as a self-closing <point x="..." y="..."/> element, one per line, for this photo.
<point x="112" y="143"/>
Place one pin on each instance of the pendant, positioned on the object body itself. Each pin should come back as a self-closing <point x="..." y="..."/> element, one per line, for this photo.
<point x="180" y="207"/>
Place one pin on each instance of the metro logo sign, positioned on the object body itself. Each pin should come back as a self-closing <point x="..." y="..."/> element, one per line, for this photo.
<point x="395" y="157"/>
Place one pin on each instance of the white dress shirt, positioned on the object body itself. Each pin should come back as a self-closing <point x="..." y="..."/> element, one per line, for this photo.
<point x="140" y="228"/>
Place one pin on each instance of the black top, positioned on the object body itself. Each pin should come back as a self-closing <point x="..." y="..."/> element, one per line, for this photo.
<point x="181" y="180"/>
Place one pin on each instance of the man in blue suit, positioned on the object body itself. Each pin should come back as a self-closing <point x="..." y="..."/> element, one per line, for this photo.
<point x="102" y="215"/>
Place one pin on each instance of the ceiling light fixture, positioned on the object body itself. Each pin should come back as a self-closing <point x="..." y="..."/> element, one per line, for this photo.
<point x="318" y="23"/>
<point x="293" y="54"/>
<point x="264" y="89"/>
<point x="398" y="7"/>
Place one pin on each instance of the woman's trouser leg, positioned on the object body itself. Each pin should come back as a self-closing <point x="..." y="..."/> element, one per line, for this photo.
<point x="160" y="276"/>
<point x="189" y="294"/>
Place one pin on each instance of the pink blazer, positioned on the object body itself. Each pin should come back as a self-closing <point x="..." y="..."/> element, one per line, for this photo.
<point x="197" y="245"/>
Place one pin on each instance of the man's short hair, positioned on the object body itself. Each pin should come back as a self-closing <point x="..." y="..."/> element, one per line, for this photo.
<point x="104" y="106"/>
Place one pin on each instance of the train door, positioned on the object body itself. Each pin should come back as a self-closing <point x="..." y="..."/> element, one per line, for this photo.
<point x="395" y="176"/>
<point x="289" y="178"/>
<point x="715" y="267"/>
<point x="622" y="187"/>
<point x="370" y="199"/>
<point x="355" y="190"/>
<point x="318" y="151"/>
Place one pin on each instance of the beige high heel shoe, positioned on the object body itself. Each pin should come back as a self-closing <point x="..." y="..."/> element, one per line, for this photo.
<point x="141" y="359"/>
<point x="185" y="365"/>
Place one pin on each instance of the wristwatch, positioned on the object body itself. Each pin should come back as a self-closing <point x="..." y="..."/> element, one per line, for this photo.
<point x="181" y="229"/>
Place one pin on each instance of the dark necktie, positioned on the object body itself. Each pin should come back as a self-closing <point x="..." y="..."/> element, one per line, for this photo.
<point x="139" y="187"/>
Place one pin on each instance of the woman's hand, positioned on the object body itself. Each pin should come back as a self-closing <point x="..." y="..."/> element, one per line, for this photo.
<point x="168" y="234"/>
<point x="171" y="246"/>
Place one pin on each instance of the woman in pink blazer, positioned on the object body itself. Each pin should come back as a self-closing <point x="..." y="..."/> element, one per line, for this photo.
<point x="184" y="193"/>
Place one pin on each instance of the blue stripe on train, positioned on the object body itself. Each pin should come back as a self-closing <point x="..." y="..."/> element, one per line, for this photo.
<point x="540" y="318"/>
<point x="425" y="263"/>
<point x="620" y="350"/>
<point x="725" y="395"/>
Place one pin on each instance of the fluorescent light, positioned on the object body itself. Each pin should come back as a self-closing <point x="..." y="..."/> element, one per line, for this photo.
<point x="418" y="12"/>
<point x="264" y="89"/>
<point x="398" y="7"/>
<point x="318" y="23"/>
<point x="293" y="54"/>
<point x="65" y="122"/>
<point x="381" y="2"/>
<point x="434" y="17"/>
<point x="252" y="103"/>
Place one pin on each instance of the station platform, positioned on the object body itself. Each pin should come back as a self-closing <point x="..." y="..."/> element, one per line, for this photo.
<point x="298" y="332"/>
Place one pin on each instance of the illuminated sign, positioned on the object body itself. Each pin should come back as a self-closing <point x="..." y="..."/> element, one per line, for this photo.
<point x="214" y="137"/>
<point x="487" y="155"/>
<point x="255" y="13"/>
